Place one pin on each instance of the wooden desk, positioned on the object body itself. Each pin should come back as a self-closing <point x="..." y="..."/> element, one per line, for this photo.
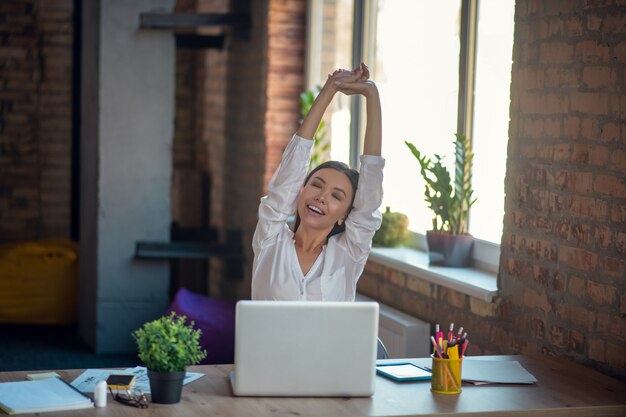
<point x="563" y="389"/>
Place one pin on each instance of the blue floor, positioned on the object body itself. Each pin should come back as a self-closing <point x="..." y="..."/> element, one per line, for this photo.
<point x="37" y="347"/>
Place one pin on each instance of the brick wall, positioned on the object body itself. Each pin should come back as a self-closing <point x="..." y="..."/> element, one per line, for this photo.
<point x="563" y="266"/>
<point x="35" y="119"/>
<point x="264" y="78"/>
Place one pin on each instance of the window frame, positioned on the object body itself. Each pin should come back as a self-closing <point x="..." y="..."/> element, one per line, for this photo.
<point x="486" y="254"/>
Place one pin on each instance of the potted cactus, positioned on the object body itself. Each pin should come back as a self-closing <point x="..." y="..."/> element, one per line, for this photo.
<point x="449" y="243"/>
<point x="167" y="346"/>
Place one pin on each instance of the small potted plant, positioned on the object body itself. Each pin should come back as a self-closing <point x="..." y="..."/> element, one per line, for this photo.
<point x="449" y="243"/>
<point x="393" y="230"/>
<point x="167" y="346"/>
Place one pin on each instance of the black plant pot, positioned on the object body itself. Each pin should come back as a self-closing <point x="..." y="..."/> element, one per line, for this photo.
<point x="445" y="249"/>
<point x="166" y="387"/>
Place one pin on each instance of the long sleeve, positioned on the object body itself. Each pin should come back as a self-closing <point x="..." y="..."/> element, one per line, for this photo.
<point x="365" y="218"/>
<point x="283" y="189"/>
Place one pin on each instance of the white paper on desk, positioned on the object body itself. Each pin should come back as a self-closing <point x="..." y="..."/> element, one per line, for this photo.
<point x="480" y="371"/>
<point x="86" y="381"/>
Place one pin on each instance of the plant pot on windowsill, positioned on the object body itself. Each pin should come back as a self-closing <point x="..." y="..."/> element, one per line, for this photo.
<point x="167" y="346"/>
<point x="445" y="249"/>
<point x="449" y="244"/>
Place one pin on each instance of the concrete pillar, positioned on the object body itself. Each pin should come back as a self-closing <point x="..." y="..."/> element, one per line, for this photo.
<point x="127" y="93"/>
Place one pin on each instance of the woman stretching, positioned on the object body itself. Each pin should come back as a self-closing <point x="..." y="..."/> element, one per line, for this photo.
<point x="336" y="209"/>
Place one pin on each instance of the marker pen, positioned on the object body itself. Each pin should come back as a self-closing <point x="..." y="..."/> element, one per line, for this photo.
<point x="464" y="347"/>
<point x="437" y="352"/>
<point x="439" y="335"/>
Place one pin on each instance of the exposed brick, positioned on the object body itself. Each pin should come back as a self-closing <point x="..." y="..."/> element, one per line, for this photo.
<point x="620" y="242"/>
<point x="578" y="258"/>
<point x="394" y="277"/>
<point x="598" y="77"/>
<point x="528" y="150"/>
<point x="482" y="308"/>
<point x="619" y="52"/>
<point x="534" y="299"/>
<point x="603" y="236"/>
<point x="576" y="341"/>
<point x="609" y="185"/>
<point x="390" y="295"/>
<point x="618" y="213"/>
<point x="574" y="181"/>
<point x="590" y="154"/>
<point x="591" y="52"/>
<point x="373" y="268"/>
<point x="557" y="336"/>
<point x="613" y="267"/>
<point x="617" y="106"/>
<point x="419" y="286"/>
<point x="597" y="350"/>
<point x="538" y="328"/>
<point x="540" y="275"/>
<point x="561" y="150"/>
<point x="571" y="127"/>
<point x="368" y="285"/>
<point x="573" y="26"/>
<point x="532" y="78"/>
<point x="589" y="103"/>
<point x="546" y="103"/>
<point x="601" y="293"/>
<point x="593" y="22"/>
<point x="614" y="23"/>
<point x="586" y="207"/>
<point x="590" y="129"/>
<point x="577" y="315"/>
<point x="532" y="128"/>
<point x="556" y="53"/>
<point x="555" y="27"/>
<point x="562" y="77"/>
<point x="452" y="297"/>
<point x="610" y="132"/>
<point x="604" y="323"/>
<point x="618" y="161"/>
<point x="616" y="355"/>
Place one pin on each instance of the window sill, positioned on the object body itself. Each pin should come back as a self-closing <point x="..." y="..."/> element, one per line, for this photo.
<point x="471" y="281"/>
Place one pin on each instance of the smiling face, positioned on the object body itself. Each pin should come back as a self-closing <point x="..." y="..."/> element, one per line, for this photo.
<point x="325" y="199"/>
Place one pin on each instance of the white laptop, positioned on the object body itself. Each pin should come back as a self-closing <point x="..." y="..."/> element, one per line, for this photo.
<point x="305" y="348"/>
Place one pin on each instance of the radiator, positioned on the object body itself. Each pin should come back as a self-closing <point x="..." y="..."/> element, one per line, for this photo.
<point x="404" y="336"/>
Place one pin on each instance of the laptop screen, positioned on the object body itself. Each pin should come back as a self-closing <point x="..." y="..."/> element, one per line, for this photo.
<point x="300" y="348"/>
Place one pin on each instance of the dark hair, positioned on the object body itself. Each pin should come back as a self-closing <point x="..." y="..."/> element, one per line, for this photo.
<point x="353" y="177"/>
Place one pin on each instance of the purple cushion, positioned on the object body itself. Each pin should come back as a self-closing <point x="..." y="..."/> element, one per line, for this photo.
<point x="215" y="318"/>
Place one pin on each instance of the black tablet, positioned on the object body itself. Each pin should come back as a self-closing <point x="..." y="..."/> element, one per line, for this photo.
<point x="403" y="372"/>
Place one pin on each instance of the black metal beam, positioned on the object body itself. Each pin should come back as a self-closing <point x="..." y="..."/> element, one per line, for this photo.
<point x="151" y="20"/>
<point x="190" y="41"/>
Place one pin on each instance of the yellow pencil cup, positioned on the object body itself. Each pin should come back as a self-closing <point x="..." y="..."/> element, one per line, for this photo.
<point x="446" y="377"/>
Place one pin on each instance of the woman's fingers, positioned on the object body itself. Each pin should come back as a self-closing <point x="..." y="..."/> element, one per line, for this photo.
<point x="365" y="72"/>
<point x="357" y="87"/>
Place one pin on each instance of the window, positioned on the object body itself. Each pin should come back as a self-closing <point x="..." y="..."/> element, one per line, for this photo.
<point x="415" y="49"/>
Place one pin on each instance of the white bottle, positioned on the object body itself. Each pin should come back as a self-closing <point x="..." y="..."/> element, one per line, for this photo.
<point x="100" y="394"/>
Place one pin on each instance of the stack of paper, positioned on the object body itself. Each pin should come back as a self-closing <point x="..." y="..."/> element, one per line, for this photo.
<point x="52" y="394"/>
<point x="483" y="371"/>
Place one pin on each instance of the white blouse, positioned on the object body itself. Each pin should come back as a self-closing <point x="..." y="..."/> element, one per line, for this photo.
<point x="276" y="272"/>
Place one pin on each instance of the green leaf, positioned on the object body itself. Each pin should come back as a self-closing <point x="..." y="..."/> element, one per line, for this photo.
<point x="169" y="344"/>
<point x="450" y="202"/>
